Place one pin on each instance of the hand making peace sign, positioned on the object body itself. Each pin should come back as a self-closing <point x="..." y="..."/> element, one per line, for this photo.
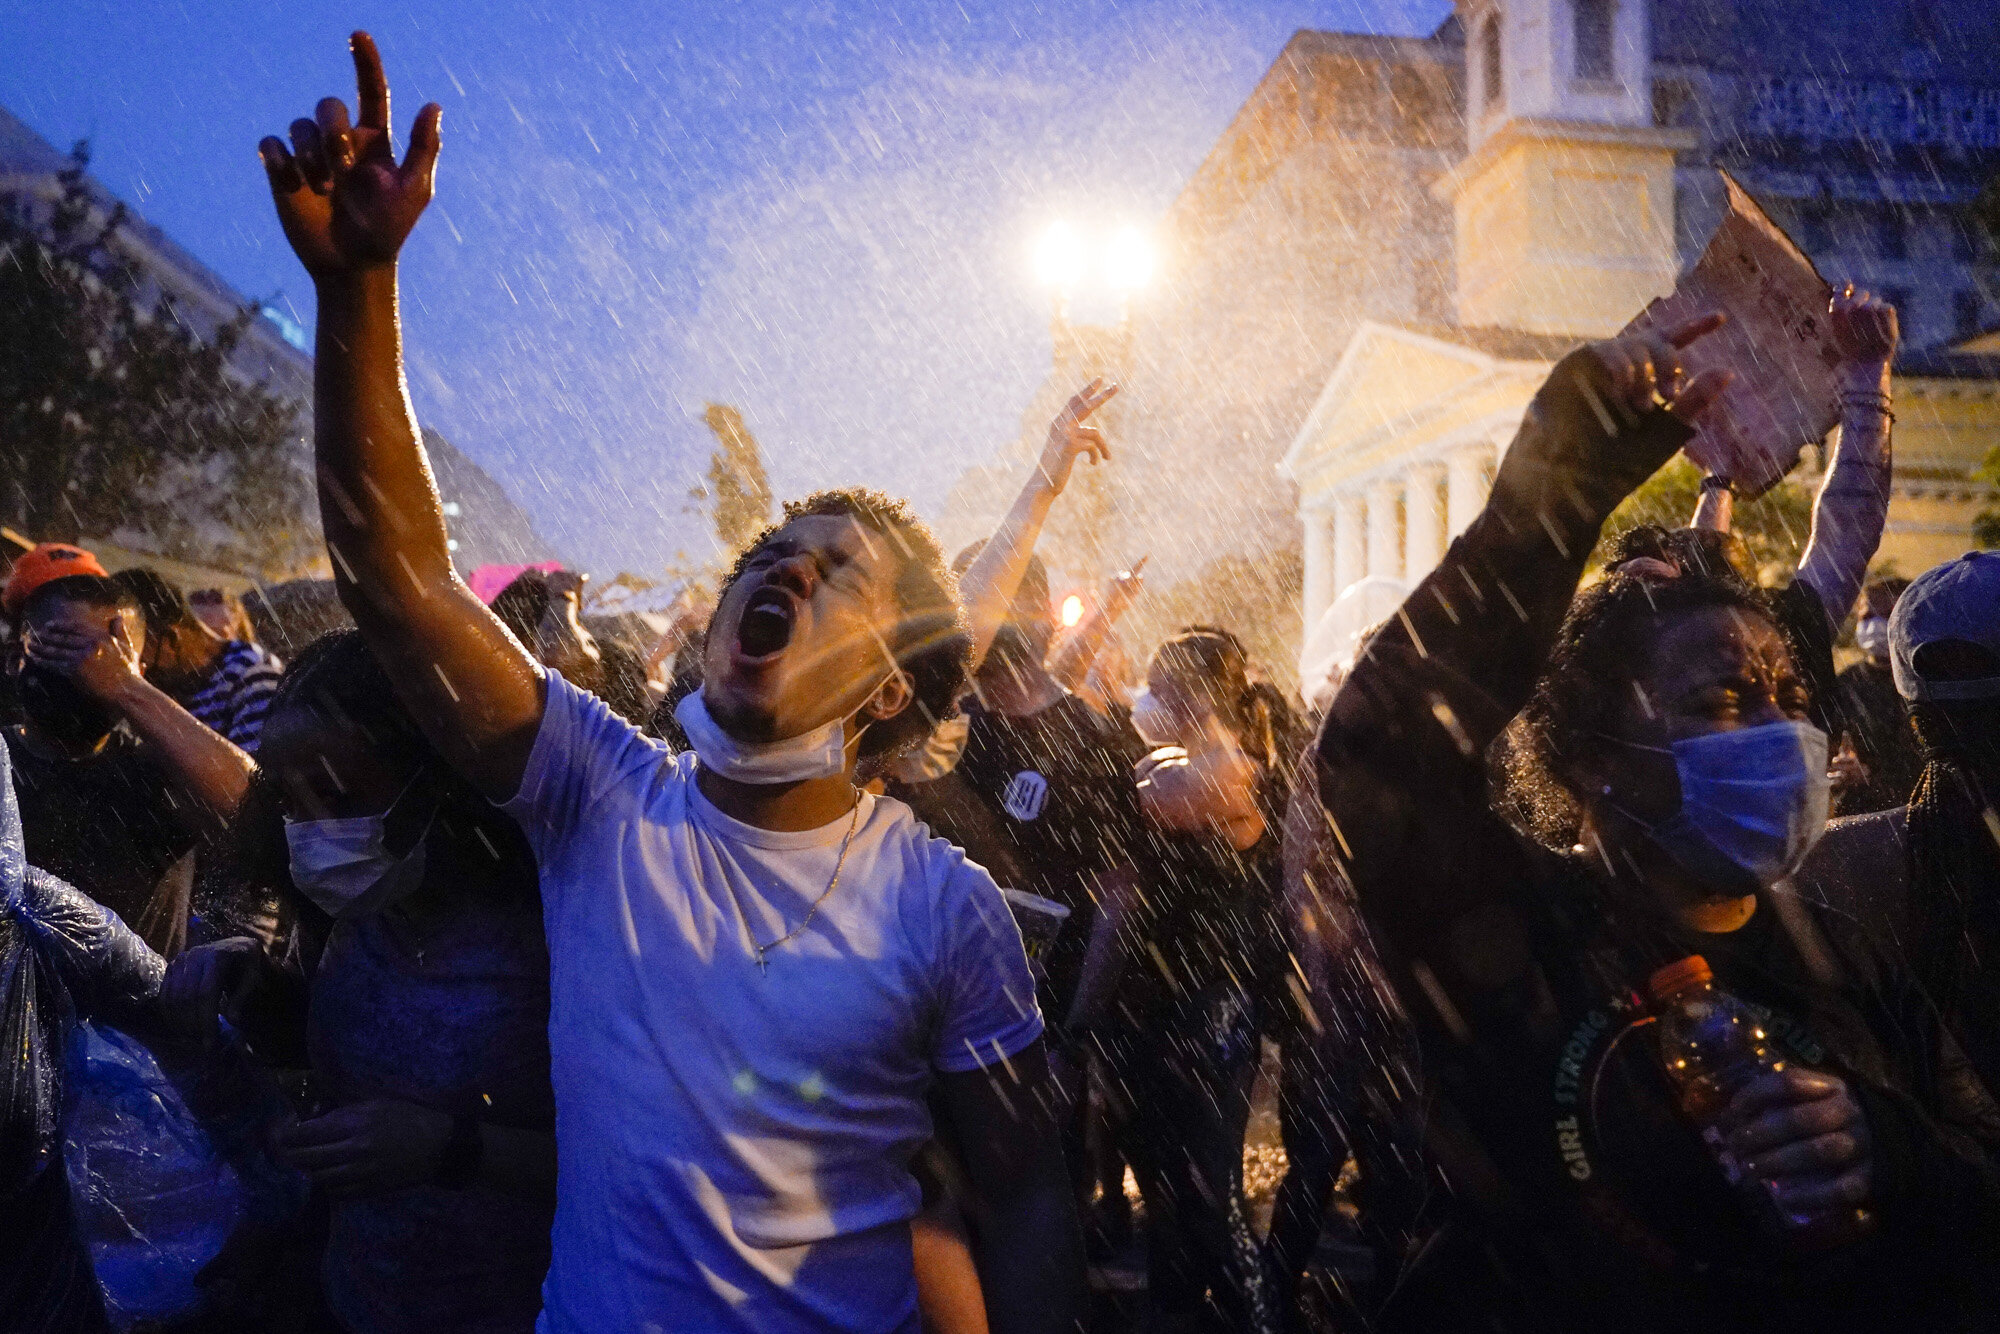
<point x="1069" y="437"/>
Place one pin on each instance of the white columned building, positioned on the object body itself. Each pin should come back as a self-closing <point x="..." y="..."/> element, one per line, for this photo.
<point x="1466" y="485"/>
<point x="1423" y="519"/>
<point x="1350" y="543"/>
<point x="1397" y="484"/>
<point x="1385" y="546"/>
<point x="1321" y="548"/>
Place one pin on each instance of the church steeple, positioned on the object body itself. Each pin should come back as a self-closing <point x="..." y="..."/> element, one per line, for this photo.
<point x="1564" y="209"/>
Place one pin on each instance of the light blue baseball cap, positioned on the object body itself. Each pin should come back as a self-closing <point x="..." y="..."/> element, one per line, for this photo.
<point x="1957" y="600"/>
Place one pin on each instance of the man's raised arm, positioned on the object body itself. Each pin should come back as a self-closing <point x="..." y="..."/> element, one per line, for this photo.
<point x="347" y="205"/>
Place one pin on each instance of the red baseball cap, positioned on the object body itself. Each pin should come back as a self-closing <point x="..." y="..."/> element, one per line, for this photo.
<point x="45" y="564"/>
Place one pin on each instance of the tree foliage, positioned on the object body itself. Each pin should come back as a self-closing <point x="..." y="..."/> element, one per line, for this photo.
<point x="1986" y="524"/>
<point x="1774" y="526"/>
<point x="738" y="492"/>
<point x="1986" y="211"/>
<point x="120" y="416"/>
<point x="1257" y="598"/>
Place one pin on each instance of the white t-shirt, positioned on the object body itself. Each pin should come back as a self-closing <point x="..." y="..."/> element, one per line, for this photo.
<point x="733" y="1144"/>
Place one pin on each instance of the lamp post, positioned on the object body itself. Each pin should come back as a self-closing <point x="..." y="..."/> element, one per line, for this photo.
<point x="1059" y="266"/>
<point x="1122" y="263"/>
<point x="1128" y="266"/>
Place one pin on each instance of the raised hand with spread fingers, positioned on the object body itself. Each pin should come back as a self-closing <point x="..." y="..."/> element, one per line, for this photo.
<point x="344" y="200"/>
<point x="347" y="205"/>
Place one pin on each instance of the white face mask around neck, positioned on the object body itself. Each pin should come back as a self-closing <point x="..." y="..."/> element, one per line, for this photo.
<point x="820" y="753"/>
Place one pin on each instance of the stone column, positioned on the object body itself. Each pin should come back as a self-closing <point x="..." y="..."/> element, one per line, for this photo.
<point x="1385" y="554"/>
<point x="1350" y="541"/>
<point x="1319" y="552"/>
<point x="1423" y="520"/>
<point x="1466" y="486"/>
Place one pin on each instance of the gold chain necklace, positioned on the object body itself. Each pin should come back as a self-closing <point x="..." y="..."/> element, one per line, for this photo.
<point x="763" y="951"/>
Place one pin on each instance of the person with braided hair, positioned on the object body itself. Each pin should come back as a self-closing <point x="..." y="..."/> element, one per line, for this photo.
<point x="1927" y="874"/>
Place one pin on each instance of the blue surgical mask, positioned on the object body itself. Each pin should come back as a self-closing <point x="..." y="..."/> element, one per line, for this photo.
<point x="1753" y="803"/>
<point x="1871" y="636"/>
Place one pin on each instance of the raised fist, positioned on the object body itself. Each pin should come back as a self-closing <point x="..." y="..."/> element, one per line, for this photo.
<point x="1865" y="327"/>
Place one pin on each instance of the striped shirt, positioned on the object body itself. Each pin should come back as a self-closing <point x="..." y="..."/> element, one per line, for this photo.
<point x="238" y="692"/>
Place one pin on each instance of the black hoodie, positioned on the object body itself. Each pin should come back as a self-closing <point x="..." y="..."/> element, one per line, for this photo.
<point x="1580" y="1200"/>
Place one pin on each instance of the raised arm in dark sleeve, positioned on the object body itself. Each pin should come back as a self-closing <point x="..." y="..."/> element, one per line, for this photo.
<point x="1402" y="750"/>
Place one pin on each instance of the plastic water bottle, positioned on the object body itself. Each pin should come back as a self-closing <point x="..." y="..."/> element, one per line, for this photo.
<point x="1712" y="1045"/>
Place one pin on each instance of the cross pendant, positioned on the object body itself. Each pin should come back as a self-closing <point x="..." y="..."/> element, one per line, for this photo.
<point x="763" y="963"/>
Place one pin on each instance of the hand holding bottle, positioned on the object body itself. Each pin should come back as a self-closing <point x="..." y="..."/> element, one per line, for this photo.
<point x="1802" y="1134"/>
<point x="1793" y="1140"/>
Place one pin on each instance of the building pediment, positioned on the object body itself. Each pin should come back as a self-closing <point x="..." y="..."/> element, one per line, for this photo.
<point x="1385" y="375"/>
<point x="1398" y="393"/>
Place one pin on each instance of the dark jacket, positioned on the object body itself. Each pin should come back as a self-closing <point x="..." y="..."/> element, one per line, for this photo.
<point x="1580" y="1200"/>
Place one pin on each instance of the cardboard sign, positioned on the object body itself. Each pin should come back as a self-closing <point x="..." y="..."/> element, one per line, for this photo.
<point x="1778" y="341"/>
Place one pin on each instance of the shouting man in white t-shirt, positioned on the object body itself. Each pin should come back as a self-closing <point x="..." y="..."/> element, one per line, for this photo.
<point x="758" y="972"/>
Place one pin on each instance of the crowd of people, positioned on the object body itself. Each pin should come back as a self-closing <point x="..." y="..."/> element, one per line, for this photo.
<point x="833" y="962"/>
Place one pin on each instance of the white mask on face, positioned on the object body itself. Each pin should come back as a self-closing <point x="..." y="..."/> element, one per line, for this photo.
<point x="1151" y="720"/>
<point x="939" y="755"/>
<point x="344" y="867"/>
<point x="1871" y="636"/>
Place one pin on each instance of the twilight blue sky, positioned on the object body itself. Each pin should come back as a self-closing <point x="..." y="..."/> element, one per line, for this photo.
<point x="820" y="211"/>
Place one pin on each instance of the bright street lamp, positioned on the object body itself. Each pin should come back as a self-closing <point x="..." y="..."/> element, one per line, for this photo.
<point x="1128" y="260"/>
<point x="1059" y="258"/>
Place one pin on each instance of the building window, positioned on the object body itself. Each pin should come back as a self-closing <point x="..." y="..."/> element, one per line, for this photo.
<point x="1891" y="238"/>
<point x="1490" y="73"/>
<point x="1673" y="102"/>
<point x="1906" y="314"/>
<point x="1966" y="308"/>
<point x="1815" y="231"/>
<point x="1595" y="62"/>
<point x="1964" y="236"/>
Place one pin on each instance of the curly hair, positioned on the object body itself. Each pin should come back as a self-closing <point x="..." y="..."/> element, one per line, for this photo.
<point x="521" y="605"/>
<point x="1612" y="626"/>
<point x="160" y="600"/>
<point x="930" y="641"/>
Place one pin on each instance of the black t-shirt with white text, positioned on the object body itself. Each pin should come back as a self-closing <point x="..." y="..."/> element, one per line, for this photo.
<point x="1048" y="803"/>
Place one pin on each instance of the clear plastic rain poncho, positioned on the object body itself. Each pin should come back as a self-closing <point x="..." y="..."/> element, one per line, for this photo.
<point x="122" y="1171"/>
<point x="61" y="956"/>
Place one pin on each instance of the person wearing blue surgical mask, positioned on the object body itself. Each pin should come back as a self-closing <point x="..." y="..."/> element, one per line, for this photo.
<point x="410" y="972"/>
<point x="1543" y="795"/>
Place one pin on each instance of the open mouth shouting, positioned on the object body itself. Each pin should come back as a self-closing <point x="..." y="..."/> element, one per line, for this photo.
<point x="765" y="627"/>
